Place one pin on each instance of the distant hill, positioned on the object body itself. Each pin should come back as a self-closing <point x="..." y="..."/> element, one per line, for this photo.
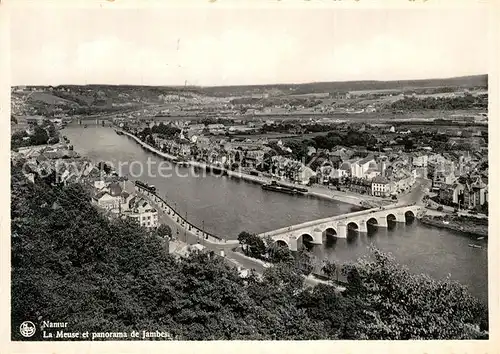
<point x="342" y="86"/>
<point x="100" y="94"/>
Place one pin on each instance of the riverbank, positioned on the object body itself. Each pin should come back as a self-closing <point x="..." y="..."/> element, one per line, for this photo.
<point x="457" y="223"/>
<point x="314" y="191"/>
<point x="179" y="224"/>
<point x="229" y="206"/>
<point x="183" y="236"/>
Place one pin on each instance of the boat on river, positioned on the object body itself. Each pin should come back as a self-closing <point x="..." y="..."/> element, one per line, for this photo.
<point x="474" y="246"/>
<point x="278" y="187"/>
<point x="149" y="187"/>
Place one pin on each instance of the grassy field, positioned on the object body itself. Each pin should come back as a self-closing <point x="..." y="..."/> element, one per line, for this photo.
<point x="50" y="99"/>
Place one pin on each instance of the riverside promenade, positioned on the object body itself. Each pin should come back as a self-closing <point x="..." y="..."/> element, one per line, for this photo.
<point x="314" y="191"/>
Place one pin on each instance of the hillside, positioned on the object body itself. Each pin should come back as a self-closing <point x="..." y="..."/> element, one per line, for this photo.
<point x="72" y="264"/>
<point x="458" y="82"/>
<point x="91" y="94"/>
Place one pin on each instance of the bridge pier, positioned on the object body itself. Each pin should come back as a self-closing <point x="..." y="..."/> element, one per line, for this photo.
<point x="382" y="222"/>
<point x="362" y="226"/>
<point x="293" y="244"/>
<point x="342" y="231"/>
<point x="317" y="237"/>
<point x="400" y="217"/>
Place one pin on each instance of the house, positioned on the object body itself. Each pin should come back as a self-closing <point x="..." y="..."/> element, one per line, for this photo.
<point x="361" y="186"/>
<point x="141" y="211"/>
<point x="452" y="193"/>
<point x="305" y="174"/>
<point x="105" y="200"/>
<point x="185" y="251"/>
<point x="380" y="186"/>
<point x="475" y="192"/>
<point x="443" y="173"/>
<point x="125" y="198"/>
<point x="345" y="169"/>
<point x="420" y="160"/>
<point x="359" y="168"/>
<point x="35" y="120"/>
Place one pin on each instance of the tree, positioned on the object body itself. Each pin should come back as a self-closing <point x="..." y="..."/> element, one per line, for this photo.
<point x="71" y="262"/>
<point x="39" y="136"/>
<point x="399" y="303"/>
<point x="255" y="246"/>
<point x="164" y="231"/>
<point x="279" y="254"/>
<point x="252" y="244"/>
<point x="51" y="130"/>
<point x="195" y="151"/>
<point x="237" y="157"/>
<point x="304" y="262"/>
<point x="243" y="237"/>
<point x="330" y="269"/>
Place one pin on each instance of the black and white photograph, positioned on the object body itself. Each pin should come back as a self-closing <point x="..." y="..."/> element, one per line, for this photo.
<point x="247" y="173"/>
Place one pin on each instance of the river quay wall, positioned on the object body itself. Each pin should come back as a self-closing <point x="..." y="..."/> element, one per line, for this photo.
<point x="315" y="192"/>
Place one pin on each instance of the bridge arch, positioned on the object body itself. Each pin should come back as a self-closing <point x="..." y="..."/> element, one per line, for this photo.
<point x="372" y="221"/>
<point x="305" y="240"/>
<point x="409" y="216"/>
<point x="306" y="237"/>
<point x="330" y="232"/>
<point x="329" y="236"/>
<point x="352" y="226"/>
<point x="391" y="218"/>
<point x="281" y="243"/>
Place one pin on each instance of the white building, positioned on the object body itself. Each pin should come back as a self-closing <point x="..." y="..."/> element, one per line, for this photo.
<point x="106" y="201"/>
<point x="380" y="186"/>
<point x="420" y="161"/>
<point x="305" y="174"/>
<point x="141" y="211"/>
<point x="360" y="168"/>
<point x="111" y="196"/>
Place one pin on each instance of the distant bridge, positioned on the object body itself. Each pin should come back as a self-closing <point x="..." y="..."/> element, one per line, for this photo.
<point x="94" y="121"/>
<point x="315" y="231"/>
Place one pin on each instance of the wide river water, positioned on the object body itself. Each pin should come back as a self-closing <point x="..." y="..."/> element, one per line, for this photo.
<point x="226" y="206"/>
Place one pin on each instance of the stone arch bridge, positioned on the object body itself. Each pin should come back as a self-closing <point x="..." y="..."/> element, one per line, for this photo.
<point x="337" y="226"/>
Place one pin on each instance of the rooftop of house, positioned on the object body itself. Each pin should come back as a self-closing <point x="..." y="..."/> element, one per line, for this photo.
<point x="115" y="189"/>
<point x="380" y="180"/>
<point x="99" y="195"/>
<point x="366" y="160"/>
<point x="345" y="166"/>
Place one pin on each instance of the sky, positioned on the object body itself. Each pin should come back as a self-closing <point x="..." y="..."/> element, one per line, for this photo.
<point x="224" y="46"/>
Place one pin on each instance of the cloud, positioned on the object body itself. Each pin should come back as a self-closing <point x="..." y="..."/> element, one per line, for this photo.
<point x="242" y="48"/>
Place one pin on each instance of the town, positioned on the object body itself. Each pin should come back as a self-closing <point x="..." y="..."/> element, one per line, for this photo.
<point x="376" y="151"/>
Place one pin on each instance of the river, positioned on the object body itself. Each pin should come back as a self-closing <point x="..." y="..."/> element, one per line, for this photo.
<point x="226" y="206"/>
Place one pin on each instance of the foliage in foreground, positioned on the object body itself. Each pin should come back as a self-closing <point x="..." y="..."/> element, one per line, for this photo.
<point x="71" y="264"/>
